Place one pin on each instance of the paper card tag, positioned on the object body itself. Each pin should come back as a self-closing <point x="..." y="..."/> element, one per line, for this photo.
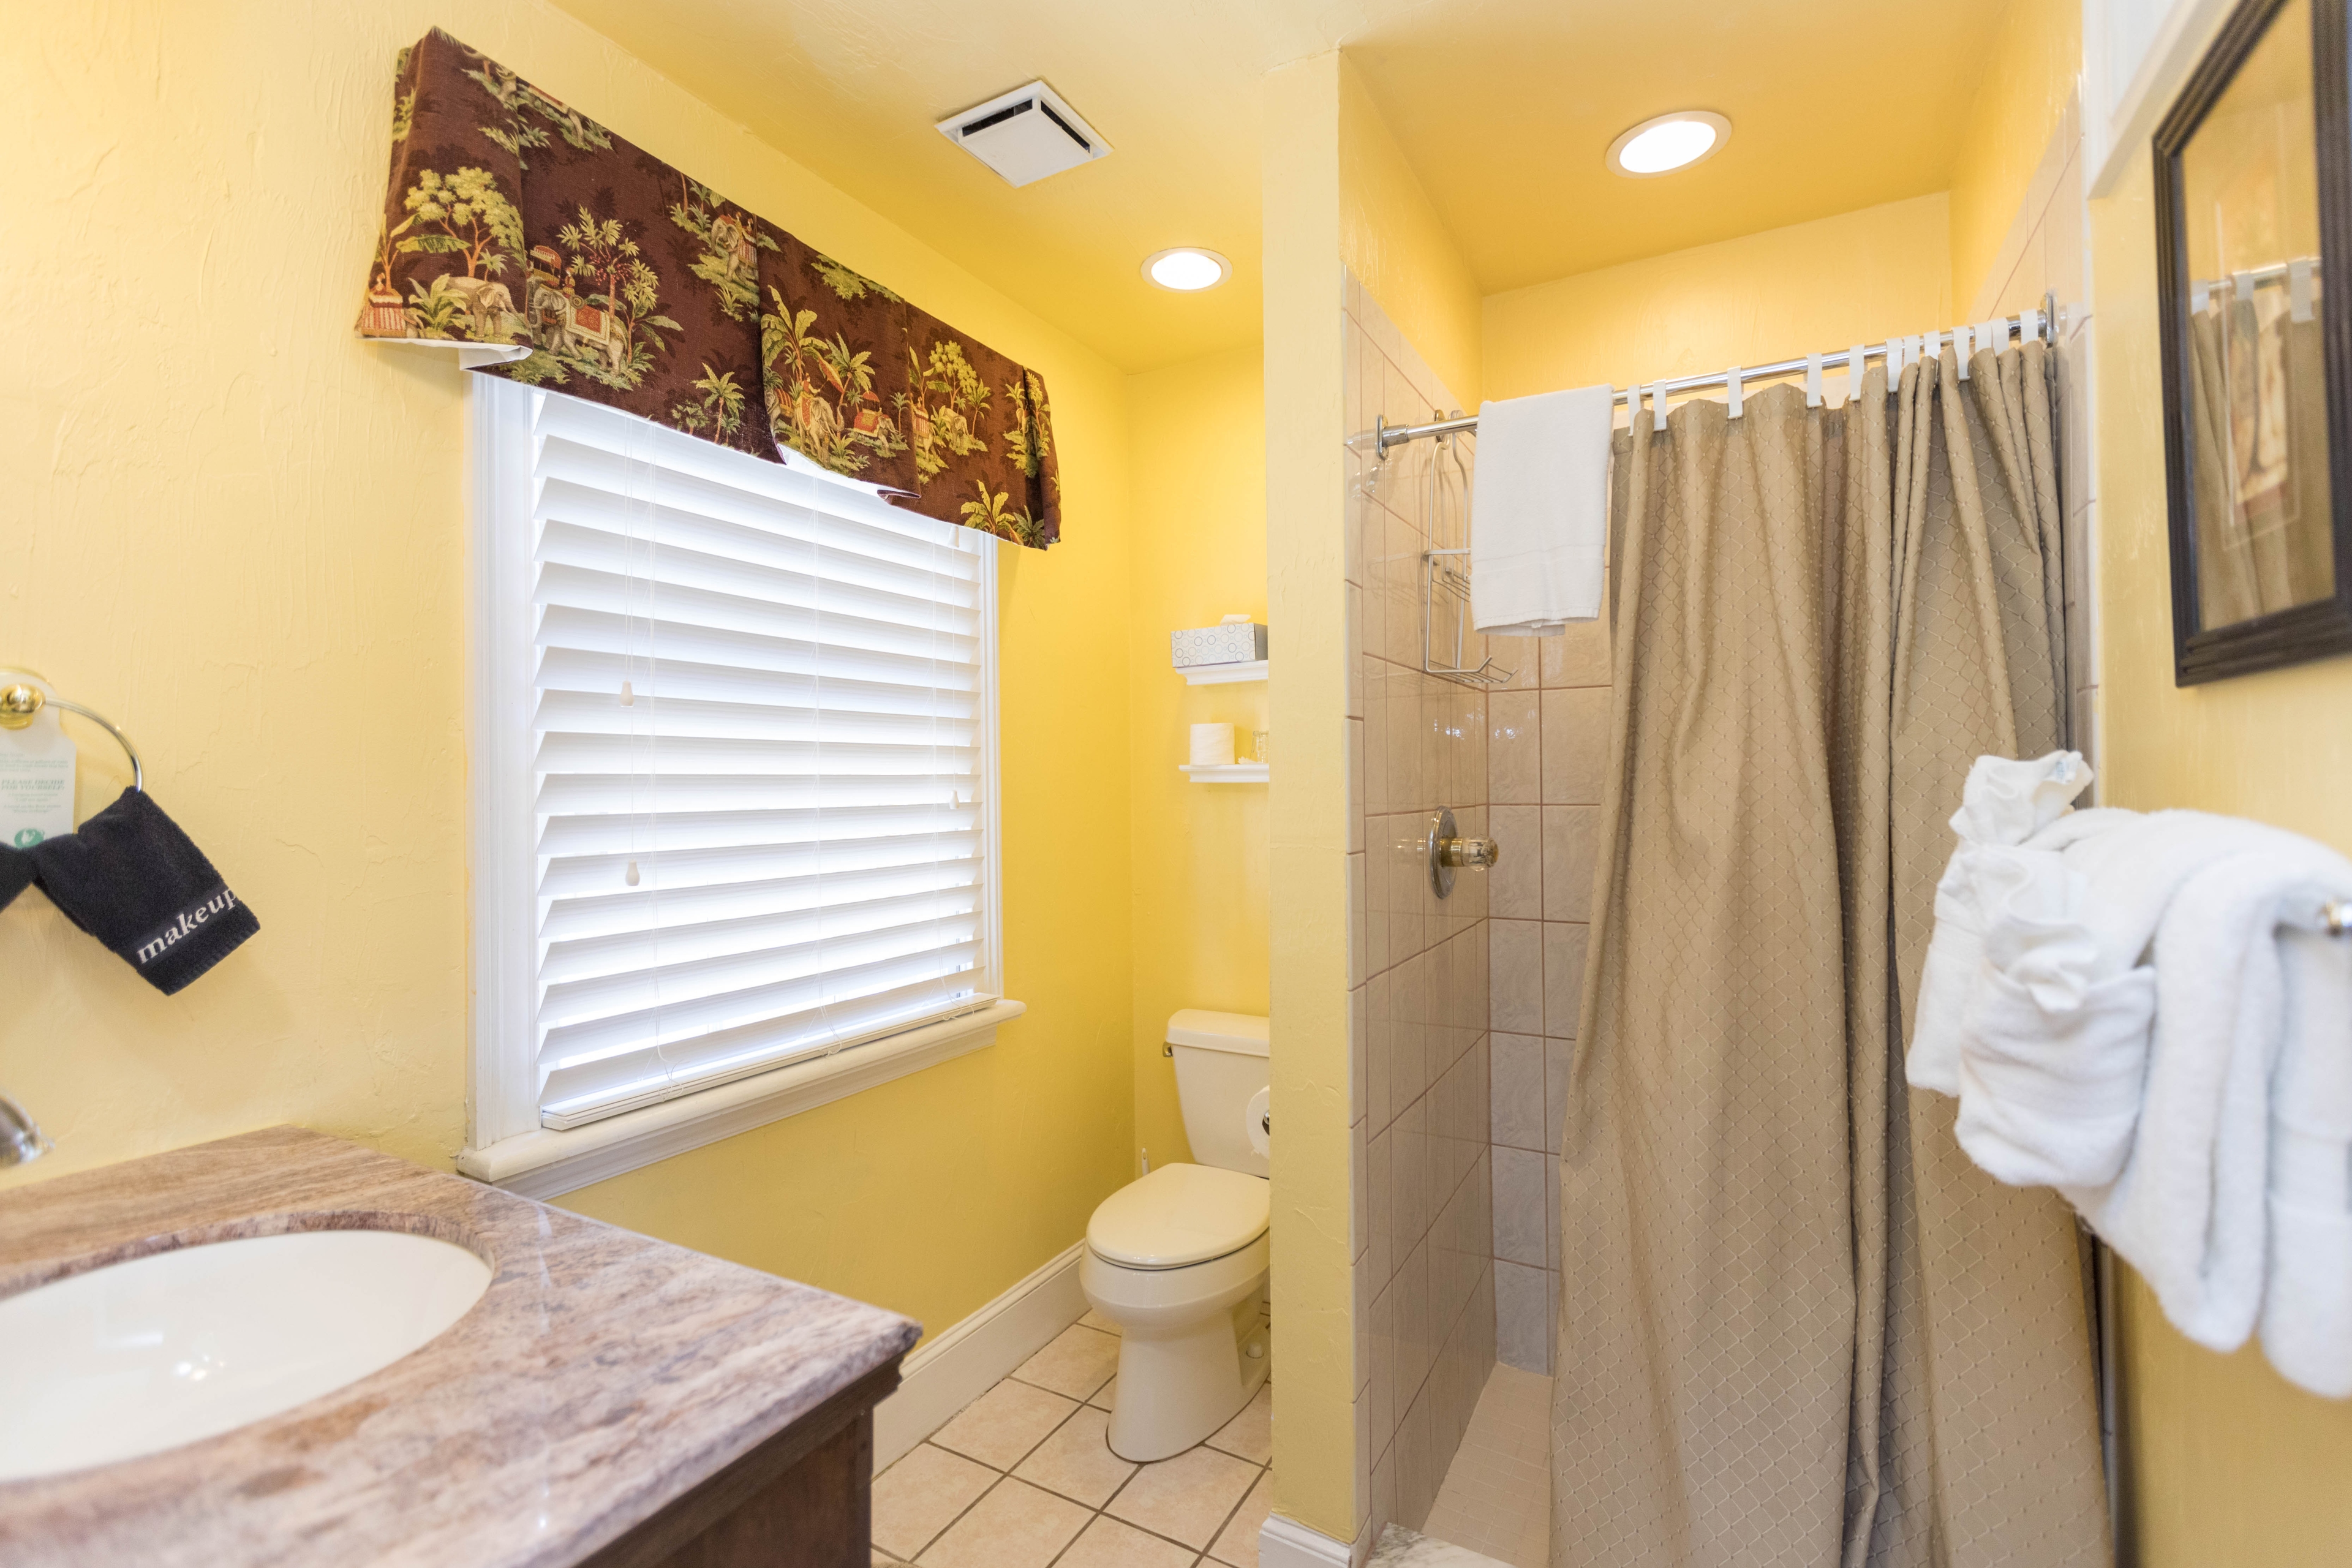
<point x="36" y="783"/>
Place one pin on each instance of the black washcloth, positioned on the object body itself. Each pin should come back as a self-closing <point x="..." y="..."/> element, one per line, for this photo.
<point x="16" y="873"/>
<point x="131" y="878"/>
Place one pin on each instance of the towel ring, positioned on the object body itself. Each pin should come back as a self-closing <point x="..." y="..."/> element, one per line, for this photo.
<point x="21" y="702"/>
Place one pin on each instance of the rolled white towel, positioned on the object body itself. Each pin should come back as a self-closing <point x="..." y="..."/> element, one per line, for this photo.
<point x="2307" y="1295"/>
<point x="2030" y="904"/>
<point x="2004" y="802"/>
<point x="2008" y="801"/>
<point x="1946" y="981"/>
<point x="2051" y="1056"/>
<point x="2050" y="1096"/>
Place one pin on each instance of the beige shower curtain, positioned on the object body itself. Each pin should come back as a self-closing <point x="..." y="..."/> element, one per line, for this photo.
<point x="1798" y="1326"/>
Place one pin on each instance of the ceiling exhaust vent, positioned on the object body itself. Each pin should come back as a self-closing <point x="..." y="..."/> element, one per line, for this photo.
<point x="1026" y="135"/>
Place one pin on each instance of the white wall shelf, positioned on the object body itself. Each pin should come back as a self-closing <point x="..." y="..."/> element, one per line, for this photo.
<point x="1222" y="674"/>
<point x="1224" y="773"/>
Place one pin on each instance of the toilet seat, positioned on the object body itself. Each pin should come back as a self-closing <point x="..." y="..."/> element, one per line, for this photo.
<point x="1180" y="1216"/>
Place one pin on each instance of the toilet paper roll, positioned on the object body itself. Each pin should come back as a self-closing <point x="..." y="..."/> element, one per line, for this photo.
<point x="1261" y="1135"/>
<point x="1212" y="745"/>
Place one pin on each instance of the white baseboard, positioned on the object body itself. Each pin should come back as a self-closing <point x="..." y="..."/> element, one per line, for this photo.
<point x="1286" y="1543"/>
<point x="967" y="1359"/>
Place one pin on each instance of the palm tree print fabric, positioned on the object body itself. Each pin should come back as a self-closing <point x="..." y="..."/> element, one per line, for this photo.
<point x="510" y="217"/>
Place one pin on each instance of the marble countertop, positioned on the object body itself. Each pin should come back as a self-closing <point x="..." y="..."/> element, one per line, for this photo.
<point x="603" y="1375"/>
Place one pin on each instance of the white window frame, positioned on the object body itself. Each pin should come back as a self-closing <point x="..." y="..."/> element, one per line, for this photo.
<point x="505" y="1143"/>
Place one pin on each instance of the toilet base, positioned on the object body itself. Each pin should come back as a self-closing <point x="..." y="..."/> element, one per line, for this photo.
<point x="1184" y="1368"/>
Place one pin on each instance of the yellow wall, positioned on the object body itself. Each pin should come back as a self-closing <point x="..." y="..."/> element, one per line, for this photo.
<point x="1314" y="1410"/>
<point x="2232" y="1466"/>
<point x="1199" y="553"/>
<point x="240" y="531"/>
<point x="1862" y="276"/>
<point x="2036" y="56"/>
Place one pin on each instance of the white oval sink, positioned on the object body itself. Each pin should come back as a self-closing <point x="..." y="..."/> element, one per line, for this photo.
<point x="162" y="1349"/>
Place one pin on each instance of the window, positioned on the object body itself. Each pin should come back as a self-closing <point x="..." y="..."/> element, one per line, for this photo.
<point x="734" y="766"/>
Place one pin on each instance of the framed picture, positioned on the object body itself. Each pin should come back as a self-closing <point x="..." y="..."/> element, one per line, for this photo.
<point x="2254" y="212"/>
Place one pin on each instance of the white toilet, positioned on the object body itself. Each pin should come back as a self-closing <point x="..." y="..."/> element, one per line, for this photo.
<point x="1177" y="1259"/>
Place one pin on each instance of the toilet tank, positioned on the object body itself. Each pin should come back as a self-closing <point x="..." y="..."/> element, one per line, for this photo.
<point x="1222" y="1067"/>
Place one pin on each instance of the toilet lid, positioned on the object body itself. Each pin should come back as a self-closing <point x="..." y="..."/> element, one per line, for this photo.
<point x="1178" y="1214"/>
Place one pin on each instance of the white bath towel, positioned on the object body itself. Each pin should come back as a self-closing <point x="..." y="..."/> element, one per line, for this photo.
<point x="2151" y="1024"/>
<point x="2004" y="802"/>
<point x="2135" y="870"/>
<point x="2307" y="1292"/>
<point x="1539" y="511"/>
<point x="2190" y="1209"/>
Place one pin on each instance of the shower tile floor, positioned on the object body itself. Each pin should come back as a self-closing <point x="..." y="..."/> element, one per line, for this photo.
<point x="1022" y="1479"/>
<point x="1497" y="1497"/>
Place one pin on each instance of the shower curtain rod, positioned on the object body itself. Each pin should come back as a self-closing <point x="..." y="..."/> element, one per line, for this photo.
<point x="2028" y="324"/>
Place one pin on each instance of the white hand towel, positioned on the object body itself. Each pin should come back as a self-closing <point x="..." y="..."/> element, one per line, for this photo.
<point x="1539" y="511"/>
<point x="2307" y="1296"/>
<point x="2004" y="802"/>
<point x="2051" y="1059"/>
<point x="2190" y="1209"/>
<point x="2050" y="1096"/>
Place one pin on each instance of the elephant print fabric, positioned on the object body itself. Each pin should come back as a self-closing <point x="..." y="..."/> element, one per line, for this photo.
<point x="510" y="217"/>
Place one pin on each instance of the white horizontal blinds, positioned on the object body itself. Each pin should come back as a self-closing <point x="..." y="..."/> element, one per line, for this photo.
<point x="758" y="765"/>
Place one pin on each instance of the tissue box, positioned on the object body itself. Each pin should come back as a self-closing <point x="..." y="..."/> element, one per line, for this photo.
<point x="1216" y="645"/>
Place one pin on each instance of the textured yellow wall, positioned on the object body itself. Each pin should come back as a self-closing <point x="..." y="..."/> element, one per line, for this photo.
<point x="2037" y="54"/>
<point x="1199" y="554"/>
<point x="1314" y="1410"/>
<point x="240" y="531"/>
<point x="2232" y="1466"/>
<point x="1862" y="276"/>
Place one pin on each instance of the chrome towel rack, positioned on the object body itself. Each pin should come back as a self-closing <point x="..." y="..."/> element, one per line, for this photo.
<point x="21" y="702"/>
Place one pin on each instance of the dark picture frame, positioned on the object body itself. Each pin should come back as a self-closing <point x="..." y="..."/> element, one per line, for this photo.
<point x="2322" y="627"/>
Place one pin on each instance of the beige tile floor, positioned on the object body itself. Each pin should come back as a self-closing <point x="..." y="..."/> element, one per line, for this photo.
<point x="1497" y="1497"/>
<point x="1022" y="1479"/>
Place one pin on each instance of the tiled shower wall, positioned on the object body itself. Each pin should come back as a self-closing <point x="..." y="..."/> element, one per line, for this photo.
<point x="1547" y="742"/>
<point x="1424" y="1297"/>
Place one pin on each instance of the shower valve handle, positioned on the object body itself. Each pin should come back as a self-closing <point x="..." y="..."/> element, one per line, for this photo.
<point x="1468" y="851"/>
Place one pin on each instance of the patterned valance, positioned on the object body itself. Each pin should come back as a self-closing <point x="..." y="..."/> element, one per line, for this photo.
<point x="513" y="218"/>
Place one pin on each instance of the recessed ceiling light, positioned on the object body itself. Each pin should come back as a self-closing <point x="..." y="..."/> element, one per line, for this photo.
<point x="1186" y="268"/>
<point x="1668" y="142"/>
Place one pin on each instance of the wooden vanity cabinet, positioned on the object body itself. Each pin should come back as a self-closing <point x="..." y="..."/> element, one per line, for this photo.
<point x="802" y="1498"/>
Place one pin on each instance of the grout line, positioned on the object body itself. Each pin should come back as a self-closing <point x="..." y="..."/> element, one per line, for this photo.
<point x="934" y="1541"/>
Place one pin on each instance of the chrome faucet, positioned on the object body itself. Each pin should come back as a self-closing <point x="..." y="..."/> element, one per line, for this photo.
<point x="21" y="1140"/>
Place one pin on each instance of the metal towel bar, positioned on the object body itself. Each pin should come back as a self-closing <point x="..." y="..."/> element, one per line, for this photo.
<point x="21" y="702"/>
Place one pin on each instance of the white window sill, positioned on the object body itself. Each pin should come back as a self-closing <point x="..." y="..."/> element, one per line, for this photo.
<point x="544" y="1164"/>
